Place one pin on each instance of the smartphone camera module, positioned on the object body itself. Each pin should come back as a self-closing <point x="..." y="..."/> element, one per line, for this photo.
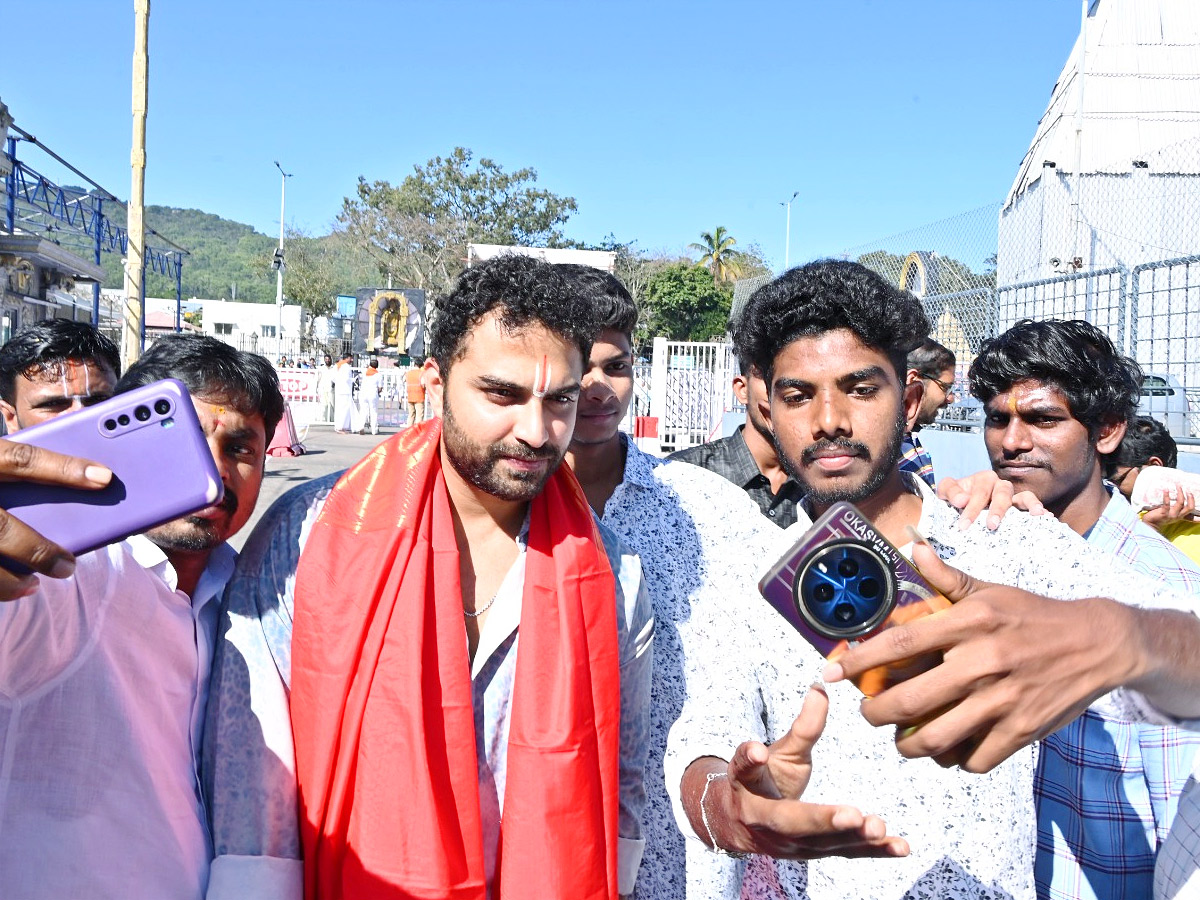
<point x="844" y="590"/>
<point x="142" y="413"/>
<point x="162" y="406"/>
<point x="110" y="424"/>
<point x="122" y="420"/>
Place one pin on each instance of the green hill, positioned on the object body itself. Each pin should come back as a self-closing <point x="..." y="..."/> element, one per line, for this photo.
<point x="223" y="253"/>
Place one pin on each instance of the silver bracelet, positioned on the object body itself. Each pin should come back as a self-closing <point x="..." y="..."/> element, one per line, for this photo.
<point x="716" y="848"/>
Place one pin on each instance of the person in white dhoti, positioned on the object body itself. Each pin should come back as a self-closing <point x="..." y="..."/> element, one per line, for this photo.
<point x="343" y="396"/>
<point x="369" y="388"/>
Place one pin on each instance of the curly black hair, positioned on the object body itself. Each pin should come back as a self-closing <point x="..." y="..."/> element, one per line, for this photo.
<point x="1145" y="437"/>
<point x="211" y="368"/>
<point x="824" y="296"/>
<point x="615" y="307"/>
<point x="1101" y="385"/>
<point x="48" y="344"/>
<point x="522" y="291"/>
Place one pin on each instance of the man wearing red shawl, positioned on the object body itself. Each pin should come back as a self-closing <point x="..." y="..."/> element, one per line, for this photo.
<point x="433" y="758"/>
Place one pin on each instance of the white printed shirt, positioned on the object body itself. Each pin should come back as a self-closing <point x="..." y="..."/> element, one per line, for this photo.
<point x="971" y="836"/>
<point x="695" y="533"/>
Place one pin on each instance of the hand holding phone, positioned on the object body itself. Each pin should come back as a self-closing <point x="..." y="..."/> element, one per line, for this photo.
<point x="25" y="549"/>
<point x="161" y="468"/>
<point x="843" y="583"/>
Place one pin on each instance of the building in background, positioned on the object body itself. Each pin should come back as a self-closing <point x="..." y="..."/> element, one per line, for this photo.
<point x="255" y="327"/>
<point x="599" y="259"/>
<point x="1112" y="175"/>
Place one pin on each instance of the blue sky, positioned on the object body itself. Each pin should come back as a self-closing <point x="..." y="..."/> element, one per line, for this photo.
<point x="662" y="119"/>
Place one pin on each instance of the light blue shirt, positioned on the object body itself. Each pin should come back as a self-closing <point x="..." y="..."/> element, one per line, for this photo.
<point x="249" y="768"/>
<point x="1107" y="791"/>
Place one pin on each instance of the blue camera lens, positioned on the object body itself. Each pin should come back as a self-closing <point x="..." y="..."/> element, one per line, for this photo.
<point x="844" y="589"/>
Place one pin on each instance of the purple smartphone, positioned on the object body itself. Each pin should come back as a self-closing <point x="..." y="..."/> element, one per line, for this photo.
<point x="162" y="468"/>
<point x="841" y="583"/>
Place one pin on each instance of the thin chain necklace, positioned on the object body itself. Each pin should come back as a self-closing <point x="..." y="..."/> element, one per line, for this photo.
<point x="485" y="608"/>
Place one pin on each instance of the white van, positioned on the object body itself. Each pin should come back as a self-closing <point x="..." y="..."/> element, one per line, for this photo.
<point x="1164" y="398"/>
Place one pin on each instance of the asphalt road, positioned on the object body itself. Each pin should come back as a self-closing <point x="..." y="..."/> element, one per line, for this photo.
<point x="326" y="452"/>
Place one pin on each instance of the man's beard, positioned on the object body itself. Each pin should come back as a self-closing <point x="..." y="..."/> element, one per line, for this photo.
<point x="889" y="459"/>
<point x="479" y="465"/>
<point x="759" y="424"/>
<point x="191" y="534"/>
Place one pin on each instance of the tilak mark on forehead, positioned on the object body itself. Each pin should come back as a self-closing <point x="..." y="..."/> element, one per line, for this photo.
<point x="541" y="378"/>
<point x="63" y="370"/>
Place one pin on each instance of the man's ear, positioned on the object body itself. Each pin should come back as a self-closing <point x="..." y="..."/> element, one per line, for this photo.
<point x="1155" y="461"/>
<point x="435" y="385"/>
<point x="914" y="393"/>
<point x="912" y="375"/>
<point x="741" y="390"/>
<point x="10" y="417"/>
<point x="1110" y="436"/>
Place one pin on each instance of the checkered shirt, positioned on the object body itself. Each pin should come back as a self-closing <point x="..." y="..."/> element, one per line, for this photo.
<point x="1107" y="790"/>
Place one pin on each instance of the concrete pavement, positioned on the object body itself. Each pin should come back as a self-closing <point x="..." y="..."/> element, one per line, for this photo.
<point x="327" y="452"/>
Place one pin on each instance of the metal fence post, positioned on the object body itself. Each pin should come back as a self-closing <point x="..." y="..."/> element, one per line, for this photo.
<point x="658" y="382"/>
<point x="1121" y="310"/>
<point x="10" y="197"/>
<point x="99" y="247"/>
<point x="1134" y="286"/>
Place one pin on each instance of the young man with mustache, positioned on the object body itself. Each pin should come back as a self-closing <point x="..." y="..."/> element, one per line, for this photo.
<point x="1058" y="398"/>
<point x="831" y="339"/>
<point x="104" y="669"/>
<point x="691" y="529"/>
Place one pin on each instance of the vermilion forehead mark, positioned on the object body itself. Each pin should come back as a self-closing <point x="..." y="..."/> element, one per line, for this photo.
<point x="541" y="377"/>
<point x="1026" y="393"/>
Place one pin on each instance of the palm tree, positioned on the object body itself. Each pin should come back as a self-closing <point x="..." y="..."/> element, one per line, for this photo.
<point x="717" y="254"/>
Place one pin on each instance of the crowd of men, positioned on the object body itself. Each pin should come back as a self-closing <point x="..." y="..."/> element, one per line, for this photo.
<point x="463" y="669"/>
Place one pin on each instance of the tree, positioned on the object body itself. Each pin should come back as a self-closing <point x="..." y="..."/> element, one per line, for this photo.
<point x="754" y="263"/>
<point x="718" y="256"/>
<point x="633" y="266"/>
<point x="310" y="275"/>
<point x="683" y="303"/>
<point x="419" y="231"/>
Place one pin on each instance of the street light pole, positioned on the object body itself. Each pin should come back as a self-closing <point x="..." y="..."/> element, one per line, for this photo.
<point x="787" y="240"/>
<point x="279" y="262"/>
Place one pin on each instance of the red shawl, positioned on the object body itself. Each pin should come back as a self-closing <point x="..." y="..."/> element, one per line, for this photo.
<point x="382" y="701"/>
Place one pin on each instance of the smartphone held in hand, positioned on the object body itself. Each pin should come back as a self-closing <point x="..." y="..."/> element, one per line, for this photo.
<point x="842" y="583"/>
<point x="162" y="468"/>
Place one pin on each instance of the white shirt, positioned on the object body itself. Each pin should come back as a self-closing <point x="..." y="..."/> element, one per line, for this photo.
<point x="971" y="836"/>
<point x="343" y="378"/>
<point x="368" y="388"/>
<point x="103" y="684"/>
<point x="694" y="532"/>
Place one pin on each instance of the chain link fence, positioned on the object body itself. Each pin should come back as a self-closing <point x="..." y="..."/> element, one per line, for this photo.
<point x="1118" y="247"/>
